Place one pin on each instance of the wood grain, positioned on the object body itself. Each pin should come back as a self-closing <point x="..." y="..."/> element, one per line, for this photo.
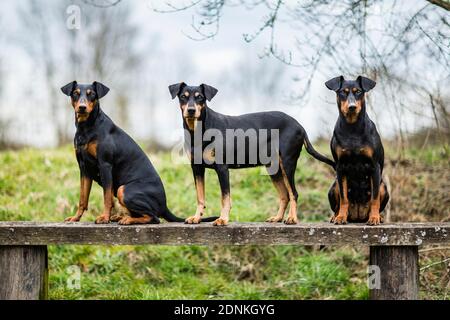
<point x="23" y="272"/>
<point x="399" y="272"/>
<point x="401" y="234"/>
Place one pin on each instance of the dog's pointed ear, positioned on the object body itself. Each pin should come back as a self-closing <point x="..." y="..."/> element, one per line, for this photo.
<point x="209" y="91"/>
<point x="101" y="89"/>
<point x="365" y="83"/>
<point x="68" y="88"/>
<point x="175" y="89"/>
<point x="335" y="83"/>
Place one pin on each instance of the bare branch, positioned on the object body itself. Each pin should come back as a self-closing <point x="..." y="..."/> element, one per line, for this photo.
<point x="444" y="4"/>
<point x="104" y="4"/>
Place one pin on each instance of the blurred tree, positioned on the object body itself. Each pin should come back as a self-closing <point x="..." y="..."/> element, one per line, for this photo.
<point x="36" y="20"/>
<point x="102" y="49"/>
<point x="258" y="84"/>
<point x="391" y="41"/>
<point x="404" y="45"/>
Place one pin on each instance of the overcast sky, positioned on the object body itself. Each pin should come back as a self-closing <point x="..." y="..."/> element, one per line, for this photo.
<point x="172" y="57"/>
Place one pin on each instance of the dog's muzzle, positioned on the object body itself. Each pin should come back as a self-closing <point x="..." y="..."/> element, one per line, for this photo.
<point x="190" y="112"/>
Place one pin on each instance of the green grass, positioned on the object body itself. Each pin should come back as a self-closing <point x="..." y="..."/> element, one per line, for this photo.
<point x="43" y="185"/>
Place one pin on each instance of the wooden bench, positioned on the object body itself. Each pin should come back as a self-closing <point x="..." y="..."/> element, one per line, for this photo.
<point x="393" y="247"/>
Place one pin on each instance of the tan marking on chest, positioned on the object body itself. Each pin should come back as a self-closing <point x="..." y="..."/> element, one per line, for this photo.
<point x="366" y="151"/>
<point x="191" y="123"/>
<point x="91" y="148"/>
<point x="209" y="155"/>
<point x="342" y="152"/>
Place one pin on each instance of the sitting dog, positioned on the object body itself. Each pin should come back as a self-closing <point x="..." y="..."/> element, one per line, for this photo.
<point x="359" y="193"/>
<point x="234" y="151"/>
<point x="106" y="154"/>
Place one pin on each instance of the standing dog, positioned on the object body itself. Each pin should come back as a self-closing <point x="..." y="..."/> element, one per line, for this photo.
<point x="359" y="193"/>
<point x="109" y="156"/>
<point x="198" y="118"/>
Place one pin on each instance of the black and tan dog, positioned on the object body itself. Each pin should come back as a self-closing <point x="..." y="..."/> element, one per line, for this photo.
<point x="109" y="156"/>
<point x="198" y="118"/>
<point x="359" y="193"/>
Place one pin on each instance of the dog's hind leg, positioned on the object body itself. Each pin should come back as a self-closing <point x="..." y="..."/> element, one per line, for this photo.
<point x="278" y="182"/>
<point x="288" y="171"/>
<point x="126" y="217"/>
<point x="333" y="199"/>
<point x="119" y="208"/>
<point x="224" y="181"/>
<point x="143" y="219"/>
<point x="118" y="212"/>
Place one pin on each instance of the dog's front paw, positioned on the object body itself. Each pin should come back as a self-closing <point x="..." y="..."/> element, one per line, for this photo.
<point x="220" y="222"/>
<point x="103" y="219"/>
<point x="291" y="220"/>
<point x="340" y="219"/>
<point x="193" y="220"/>
<point x="72" y="219"/>
<point x="275" y="219"/>
<point x="374" y="220"/>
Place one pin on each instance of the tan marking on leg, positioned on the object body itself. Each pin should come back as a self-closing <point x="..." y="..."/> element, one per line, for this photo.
<point x="108" y="205"/>
<point x="341" y="218"/>
<point x="283" y="201"/>
<point x="225" y="212"/>
<point x="374" y="215"/>
<point x="200" y="188"/>
<point x="292" y="215"/>
<point x="120" y="210"/>
<point x="85" y="190"/>
<point x="141" y="220"/>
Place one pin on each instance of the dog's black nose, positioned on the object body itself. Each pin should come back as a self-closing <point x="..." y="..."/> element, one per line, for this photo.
<point x="191" y="112"/>
<point x="352" y="108"/>
<point x="82" y="109"/>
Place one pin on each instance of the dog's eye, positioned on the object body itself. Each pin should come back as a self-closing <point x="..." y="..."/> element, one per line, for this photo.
<point x="358" y="92"/>
<point x="183" y="96"/>
<point x="199" y="97"/>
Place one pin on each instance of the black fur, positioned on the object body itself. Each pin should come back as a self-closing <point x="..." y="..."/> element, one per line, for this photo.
<point x="292" y="136"/>
<point x="359" y="169"/>
<point x="119" y="160"/>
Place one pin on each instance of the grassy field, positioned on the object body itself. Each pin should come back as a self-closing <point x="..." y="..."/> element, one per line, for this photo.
<point x="42" y="185"/>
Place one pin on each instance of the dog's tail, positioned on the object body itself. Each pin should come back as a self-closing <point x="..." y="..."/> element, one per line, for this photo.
<point x="316" y="154"/>
<point x="170" y="217"/>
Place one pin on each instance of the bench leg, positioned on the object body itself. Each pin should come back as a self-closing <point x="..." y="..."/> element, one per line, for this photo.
<point x="23" y="272"/>
<point x="398" y="270"/>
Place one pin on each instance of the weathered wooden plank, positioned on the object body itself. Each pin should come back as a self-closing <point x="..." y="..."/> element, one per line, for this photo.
<point x="37" y="233"/>
<point x="398" y="271"/>
<point x="23" y="272"/>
